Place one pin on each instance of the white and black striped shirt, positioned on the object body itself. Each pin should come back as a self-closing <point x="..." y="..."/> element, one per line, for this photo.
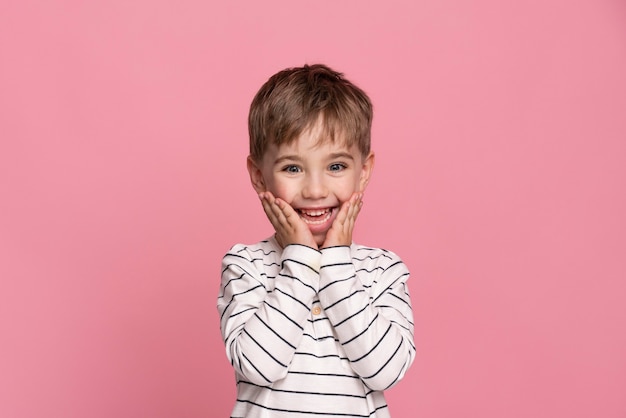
<point x="315" y="333"/>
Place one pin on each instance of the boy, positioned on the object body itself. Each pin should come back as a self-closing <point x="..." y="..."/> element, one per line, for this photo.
<point x="314" y="325"/>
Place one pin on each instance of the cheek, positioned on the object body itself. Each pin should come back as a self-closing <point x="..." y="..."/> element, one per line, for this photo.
<point x="283" y="189"/>
<point x="348" y="188"/>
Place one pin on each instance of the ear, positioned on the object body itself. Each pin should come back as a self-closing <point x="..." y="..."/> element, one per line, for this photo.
<point x="366" y="171"/>
<point x="256" y="176"/>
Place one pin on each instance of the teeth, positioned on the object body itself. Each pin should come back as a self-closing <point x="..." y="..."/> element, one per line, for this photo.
<point x="316" y="213"/>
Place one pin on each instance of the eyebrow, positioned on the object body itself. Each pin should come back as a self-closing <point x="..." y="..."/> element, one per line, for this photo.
<point x="297" y="158"/>
<point x="288" y="157"/>
<point x="346" y="155"/>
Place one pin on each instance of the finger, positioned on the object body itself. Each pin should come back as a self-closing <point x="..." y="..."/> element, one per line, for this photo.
<point x="291" y="217"/>
<point x="353" y="205"/>
<point x="343" y="214"/>
<point x="267" y="209"/>
<point x="266" y="205"/>
<point x="350" y="221"/>
<point x="355" y="208"/>
<point x="274" y="212"/>
<point x="270" y="212"/>
<point x="358" y="204"/>
<point x="285" y="208"/>
<point x="267" y="197"/>
<point x="279" y="213"/>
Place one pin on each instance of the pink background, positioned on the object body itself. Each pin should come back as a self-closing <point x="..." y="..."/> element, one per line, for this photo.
<point x="500" y="134"/>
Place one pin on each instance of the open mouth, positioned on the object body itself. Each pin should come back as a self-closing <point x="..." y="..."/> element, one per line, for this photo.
<point x="315" y="216"/>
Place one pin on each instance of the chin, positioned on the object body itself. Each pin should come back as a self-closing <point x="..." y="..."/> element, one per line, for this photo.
<point x="319" y="239"/>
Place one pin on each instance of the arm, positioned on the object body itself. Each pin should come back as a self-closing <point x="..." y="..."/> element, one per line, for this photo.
<point x="374" y="324"/>
<point x="262" y="326"/>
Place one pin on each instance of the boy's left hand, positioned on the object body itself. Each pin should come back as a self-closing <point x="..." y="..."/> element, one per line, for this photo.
<point x="340" y="233"/>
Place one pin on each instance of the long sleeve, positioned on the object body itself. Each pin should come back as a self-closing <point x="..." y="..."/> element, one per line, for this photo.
<point x="262" y="314"/>
<point x="365" y="297"/>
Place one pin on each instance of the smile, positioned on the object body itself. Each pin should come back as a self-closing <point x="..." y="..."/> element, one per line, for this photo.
<point x="315" y="216"/>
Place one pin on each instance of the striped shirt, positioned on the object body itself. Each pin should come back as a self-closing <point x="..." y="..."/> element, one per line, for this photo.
<point x="315" y="333"/>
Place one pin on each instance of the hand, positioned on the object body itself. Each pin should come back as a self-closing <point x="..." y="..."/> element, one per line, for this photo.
<point x="340" y="233"/>
<point x="290" y="229"/>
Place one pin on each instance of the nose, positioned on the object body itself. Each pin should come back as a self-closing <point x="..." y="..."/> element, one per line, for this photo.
<point x="314" y="187"/>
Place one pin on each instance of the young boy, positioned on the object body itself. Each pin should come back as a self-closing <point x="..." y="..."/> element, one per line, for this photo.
<point x="314" y="325"/>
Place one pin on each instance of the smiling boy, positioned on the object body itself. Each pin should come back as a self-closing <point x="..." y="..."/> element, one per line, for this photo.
<point x="314" y="324"/>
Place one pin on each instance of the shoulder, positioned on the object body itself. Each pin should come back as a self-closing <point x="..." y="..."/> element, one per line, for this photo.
<point x="378" y="265"/>
<point x="362" y="253"/>
<point x="262" y="250"/>
<point x="254" y="262"/>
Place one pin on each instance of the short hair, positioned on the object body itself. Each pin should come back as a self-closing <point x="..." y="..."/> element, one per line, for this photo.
<point x="295" y="99"/>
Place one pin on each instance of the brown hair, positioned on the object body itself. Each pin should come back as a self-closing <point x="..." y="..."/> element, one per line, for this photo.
<point x="295" y="99"/>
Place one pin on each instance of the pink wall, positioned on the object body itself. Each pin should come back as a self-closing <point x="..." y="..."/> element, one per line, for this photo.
<point x="501" y="180"/>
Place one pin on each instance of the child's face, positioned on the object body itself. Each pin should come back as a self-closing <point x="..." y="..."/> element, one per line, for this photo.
<point x="314" y="178"/>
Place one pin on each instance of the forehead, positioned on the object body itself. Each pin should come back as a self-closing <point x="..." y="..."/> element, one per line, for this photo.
<point x="313" y="143"/>
<point x="320" y="134"/>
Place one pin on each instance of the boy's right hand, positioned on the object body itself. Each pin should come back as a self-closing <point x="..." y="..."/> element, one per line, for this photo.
<point x="290" y="229"/>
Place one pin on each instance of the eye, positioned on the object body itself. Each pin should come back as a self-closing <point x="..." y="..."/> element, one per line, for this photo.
<point x="291" y="169"/>
<point x="337" y="167"/>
